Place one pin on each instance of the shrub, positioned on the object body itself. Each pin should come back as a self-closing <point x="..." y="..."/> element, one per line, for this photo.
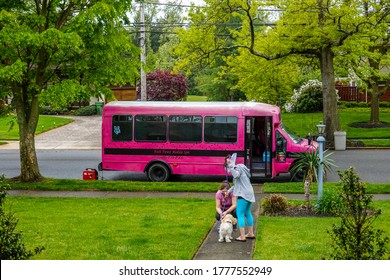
<point x="384" y="104"/>
<point x="363" y="105"/>
<point x="274" y="204"/>
<point x="11" y="241"/>
<point x="310" y="100"/>
<point x="85" y="111"/>
<point x="330" y="202"/>
<point x="355" y="238"/>
<point x="307" y="99"/>
<point x="48" y="110"/>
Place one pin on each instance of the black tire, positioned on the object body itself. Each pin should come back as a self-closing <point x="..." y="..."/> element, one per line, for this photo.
<point x="158" y="172"/>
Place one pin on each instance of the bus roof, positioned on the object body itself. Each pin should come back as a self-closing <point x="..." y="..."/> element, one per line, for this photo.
<point x="247" y="108"/>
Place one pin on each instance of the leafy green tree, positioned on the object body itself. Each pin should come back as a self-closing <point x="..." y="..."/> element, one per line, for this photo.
<point x="52" y="50"/>
<point x="11" y="240"/>
<point x="306" y="166"/>
<point x="161" y="19"/>
<point x="367" y="54"/>
<point x="262" y="80"/>
<point x="312" y="28"/>
<point x="201" y="53"/>
<point x="355" y="238"/>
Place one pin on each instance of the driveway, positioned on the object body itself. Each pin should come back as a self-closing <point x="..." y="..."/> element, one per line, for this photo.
<point x="83" y="133"/>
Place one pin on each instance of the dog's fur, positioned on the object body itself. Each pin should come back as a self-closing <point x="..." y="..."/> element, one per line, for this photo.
<point x="226" y="228"/>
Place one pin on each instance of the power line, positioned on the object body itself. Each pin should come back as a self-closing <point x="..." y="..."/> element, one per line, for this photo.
<point x="203" y="6"/>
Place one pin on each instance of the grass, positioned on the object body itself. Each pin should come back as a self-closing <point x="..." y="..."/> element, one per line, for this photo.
<point x="196" y="98"/>
<point x="302" y="124"/>
<point x="297" y="187"/>
<point x="45" y="123"/>
<point x="133" y="228"/>
<point x="107" y="229"/>
<point x="304" y="238"/>
<point x="108" y="185"/>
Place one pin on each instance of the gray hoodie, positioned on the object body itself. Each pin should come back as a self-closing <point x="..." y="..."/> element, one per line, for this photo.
<point x="241" y="181"/>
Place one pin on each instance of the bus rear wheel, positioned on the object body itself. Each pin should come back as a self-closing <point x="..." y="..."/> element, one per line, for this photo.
<point x="158" y="172"/>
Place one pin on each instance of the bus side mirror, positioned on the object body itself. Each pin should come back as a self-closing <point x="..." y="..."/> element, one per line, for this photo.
<point x="309" y="139"/>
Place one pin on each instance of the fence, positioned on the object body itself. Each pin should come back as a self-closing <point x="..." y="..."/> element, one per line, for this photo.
<point x="354" y="94"/>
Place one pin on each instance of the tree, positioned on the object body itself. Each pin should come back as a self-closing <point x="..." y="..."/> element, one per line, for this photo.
<point x="53" y="50"/>
<point x="163" y="85"/>
<point x="355" y="238"/>
<point x="264" y="81"/>
<point x="306" y="166"/>
<point x="312" y="28"/>
<point x="367" y="54"/>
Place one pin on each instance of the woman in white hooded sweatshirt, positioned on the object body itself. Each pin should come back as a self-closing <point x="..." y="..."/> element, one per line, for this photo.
<point x="243" y="190"/>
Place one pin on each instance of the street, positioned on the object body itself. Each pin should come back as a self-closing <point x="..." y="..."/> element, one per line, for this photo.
<point x="372" y="165"/>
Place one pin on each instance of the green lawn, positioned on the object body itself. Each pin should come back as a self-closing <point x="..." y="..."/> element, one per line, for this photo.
<point x="297" y="187"/>
<point x="133" y="228"/>
<point x="45" y="123"/>
<point x="106" y="229"/>
<point x="305" y="238"/>
<point x="302" y="124"/>
<point x="158" y="229"/>
<point x="193" y="98"/>
<point x="117" y="185"/>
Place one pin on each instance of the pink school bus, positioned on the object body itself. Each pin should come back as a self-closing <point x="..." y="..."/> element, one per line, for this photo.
<point x="166" y="138"/>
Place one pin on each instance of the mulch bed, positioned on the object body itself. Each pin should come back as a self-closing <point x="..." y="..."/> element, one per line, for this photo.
<point x="370" y="125"/>
<point x="298" y="211"/>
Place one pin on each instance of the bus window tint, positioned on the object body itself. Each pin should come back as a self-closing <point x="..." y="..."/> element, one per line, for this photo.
<point x="221" y="129"/>
<point x="185" y="128"/>
<point x="122" y="128"/>
<point x="150" y="128"/>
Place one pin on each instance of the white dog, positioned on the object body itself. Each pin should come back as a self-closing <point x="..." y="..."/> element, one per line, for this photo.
<point x="226" y="228"/>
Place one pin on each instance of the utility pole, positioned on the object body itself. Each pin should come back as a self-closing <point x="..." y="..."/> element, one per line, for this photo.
<point x="143" y="53"/>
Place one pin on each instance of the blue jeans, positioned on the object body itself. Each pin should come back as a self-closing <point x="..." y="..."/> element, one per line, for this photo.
<point x="243" y="211"/>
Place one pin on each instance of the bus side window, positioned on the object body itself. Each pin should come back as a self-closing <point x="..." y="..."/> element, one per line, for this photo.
<point x="122" y="128"/>
<point x="185" y="128"/>
<point x="220" y="129"/>
<point x="150" y="128"/>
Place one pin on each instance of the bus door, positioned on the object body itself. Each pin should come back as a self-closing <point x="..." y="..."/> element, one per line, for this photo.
<point x="258" y="145"/>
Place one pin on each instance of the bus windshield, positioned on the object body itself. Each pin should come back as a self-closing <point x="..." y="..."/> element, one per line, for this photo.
<point x="296" y="139"/>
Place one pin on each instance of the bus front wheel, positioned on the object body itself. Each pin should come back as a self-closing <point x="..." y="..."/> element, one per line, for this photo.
<point x="158" y="172"/>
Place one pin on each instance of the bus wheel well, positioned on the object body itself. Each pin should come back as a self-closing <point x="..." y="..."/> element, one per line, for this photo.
<point x="158" y="171"/>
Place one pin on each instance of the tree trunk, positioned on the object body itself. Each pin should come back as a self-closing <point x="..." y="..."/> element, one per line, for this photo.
<point x="306" y="187"/>
<point x="331" y="116"/>
<point x="27" y="116"/>
<point x="375" y="93"/>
